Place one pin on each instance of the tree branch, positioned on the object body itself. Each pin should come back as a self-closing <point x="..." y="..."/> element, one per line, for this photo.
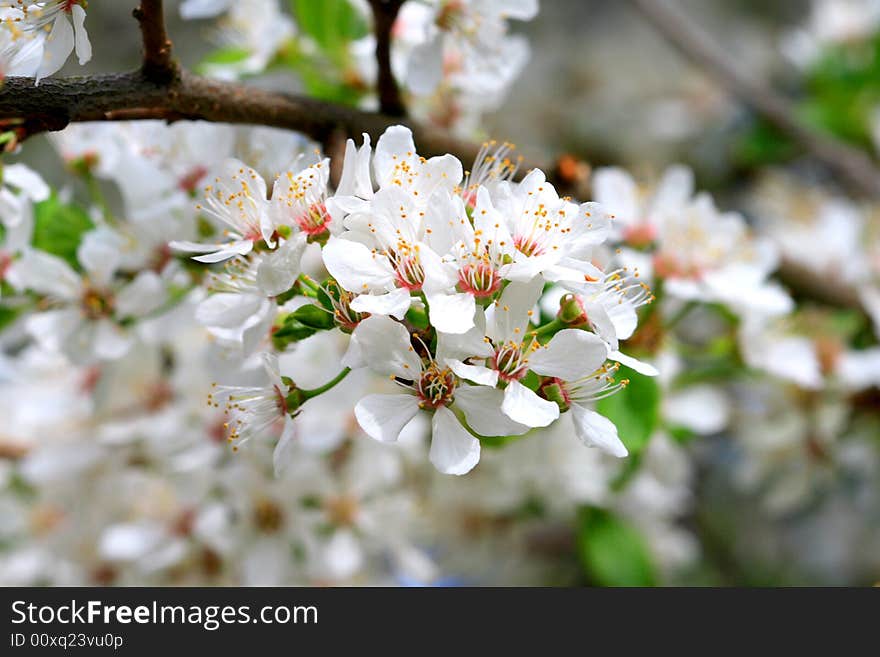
<point x="384" y="15"/>
<point x="850" y="164"/>
<point x="158" y="64"/>
<point x="130" y="96"/>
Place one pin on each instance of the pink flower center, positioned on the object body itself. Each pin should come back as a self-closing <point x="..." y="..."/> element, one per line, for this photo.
<point x="640" y="235"/>
<point x="510" y="362"/>
<point x="190" y="181"/>
<point x="481" y="280"/>
<point x="668" y="266"/>
<point x="528" y="245"/>
<point x="435" y="387"/>
<point x="315" y="220"/>
<point x="410" y="273"/>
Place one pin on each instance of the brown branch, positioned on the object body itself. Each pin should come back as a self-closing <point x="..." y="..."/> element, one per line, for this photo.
<point x="129" y="96"/>
<point x="384" y="15"/>
<point x="157" y="64"/>
<point x="850" y="164"/>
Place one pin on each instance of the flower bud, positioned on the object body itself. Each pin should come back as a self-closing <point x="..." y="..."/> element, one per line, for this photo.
<point x="571" y="310"/>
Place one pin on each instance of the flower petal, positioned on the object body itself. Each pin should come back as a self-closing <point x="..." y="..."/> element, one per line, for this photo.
<point x="383" y="417"/>
<point x="395" y="303"/>
<point x="482" y="410"/>
<point x="525" y="407"/>
<point x="596" y="430"/>
<point x="385" y="346"/>
<point x="570" y="355"/>
<point x="453" y="449"/>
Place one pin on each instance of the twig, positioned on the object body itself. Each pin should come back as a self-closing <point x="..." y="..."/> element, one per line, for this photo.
<point x="157" y="64"/>
<point x="384" y="15"/>
<point x="850" y="164"/>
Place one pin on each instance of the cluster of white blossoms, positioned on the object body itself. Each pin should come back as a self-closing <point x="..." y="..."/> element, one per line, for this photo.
<point x="37" y="36"/>
<point x="127" y="475"/>
<point x="438" y="277"/>
<point x="455" y="58"/>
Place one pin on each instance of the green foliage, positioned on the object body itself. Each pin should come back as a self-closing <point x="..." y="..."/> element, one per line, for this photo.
<point x="333" y="24"/>
<point x="7" y="316"/>
<point x="325" y="68"/>
<point x="304" y="322"/>
<point x="222" y="57"/>
<point x="612" y="552"/>
<point x="839" y="95"/>
<point x="58" y="228"/>
<point x="635" y="409"/>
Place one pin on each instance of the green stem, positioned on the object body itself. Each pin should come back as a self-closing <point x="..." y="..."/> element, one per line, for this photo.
<point x="99" y="198"/>
<point x="550" y="327"/>
<point x="314" y="392"/>
<point x="307" y="280"/>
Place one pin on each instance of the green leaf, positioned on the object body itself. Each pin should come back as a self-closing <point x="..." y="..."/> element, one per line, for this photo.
<point x="612" y="552"/>
<point x="313" y="317"/>
<point x="635" y="409"/>
<point x="7" y="316"/>
<point x="223" y="57"/>
<point x="331" y="23"/>
<point x="58" y="228"/>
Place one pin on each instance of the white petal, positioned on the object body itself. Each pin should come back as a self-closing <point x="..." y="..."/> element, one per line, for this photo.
<point x="394" y="146"/>
<point x="143" y="295"/>
<point x="617" y="191"/>
<point x="425" y="67"/>
<point x="58" y="45"/>
<point x="383" y="417"/>
<point x="703" y="409"/>
<point x="386" y="348"/>
<point x="570" y="355"/>
<point x="510" y="314"/>
<point x="596" y="430"/>
<point x="452" y="313"/>
<point x="48" y="274"/>
<point x="281" y="457"/>
<point x="278" y="270"/>
<point x="634" y="363"/>
<point x="453" y="449"/>
<point x="395" y="303"/>
<point x="526" y="407"/>
<point x="482" y="410"/>
<point x="99" y="254"/>
<point x="242" y="247"/>
<point x="27" y="180"/>
<point x="227" y="309"/>
<point x="111" y="342"/>
<point x="476" y="373"/>
<point x="355" y="267"/>
<point x="83" y="46"/>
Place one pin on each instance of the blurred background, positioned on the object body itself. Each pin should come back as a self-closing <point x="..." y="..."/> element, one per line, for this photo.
<point x="750" y="474"/>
